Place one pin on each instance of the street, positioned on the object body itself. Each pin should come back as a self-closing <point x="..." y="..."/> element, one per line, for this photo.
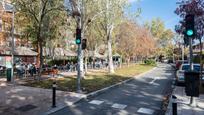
<point x="101" y="57"/>
<point x="143" y="95"/>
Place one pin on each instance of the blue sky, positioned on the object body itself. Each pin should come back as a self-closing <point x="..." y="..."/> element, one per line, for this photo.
<point x="163" y="9"/>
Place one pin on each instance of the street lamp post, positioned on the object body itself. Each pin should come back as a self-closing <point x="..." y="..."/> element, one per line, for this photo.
<point x="12" y="47"/>
<point x="12" y="38"/>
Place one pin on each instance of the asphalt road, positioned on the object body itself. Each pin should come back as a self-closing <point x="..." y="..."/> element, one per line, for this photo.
<point x="141" y="96"/>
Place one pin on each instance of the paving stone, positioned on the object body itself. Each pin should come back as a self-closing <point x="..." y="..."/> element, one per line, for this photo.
<point x="145" y="111"/>
<point x="119" y="106"/>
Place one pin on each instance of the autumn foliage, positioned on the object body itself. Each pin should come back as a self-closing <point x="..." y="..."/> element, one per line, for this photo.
<point x="134" y="41"/>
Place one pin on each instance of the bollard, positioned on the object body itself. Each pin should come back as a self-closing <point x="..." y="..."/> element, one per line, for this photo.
<point x="174" y="105"/>
<point x="54" y="94"/>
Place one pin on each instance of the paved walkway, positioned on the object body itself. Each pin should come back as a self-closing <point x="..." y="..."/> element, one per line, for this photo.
<point x="183" y="103"/>
<point x="22" y="100"/>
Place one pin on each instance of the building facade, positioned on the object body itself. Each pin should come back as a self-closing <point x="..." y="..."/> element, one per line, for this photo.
<point x="21" y="50"/>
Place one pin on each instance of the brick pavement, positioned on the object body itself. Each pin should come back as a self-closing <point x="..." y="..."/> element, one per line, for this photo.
<point x="22" y="100"/>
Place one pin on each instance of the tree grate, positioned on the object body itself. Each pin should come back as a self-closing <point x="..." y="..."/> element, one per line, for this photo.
<point x="25" y="108"/>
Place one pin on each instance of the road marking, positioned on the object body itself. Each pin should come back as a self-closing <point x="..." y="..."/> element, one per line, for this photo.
<point x="131" y="85"/>
<point x="145" y="111"/>
<point x="96" y="102"/>
<point x="119" y="106"/>
<point x="153" y="81"/>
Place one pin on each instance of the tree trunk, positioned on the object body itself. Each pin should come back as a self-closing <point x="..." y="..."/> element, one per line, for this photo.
<point x="40" y="51"/>
<point x="41" y="58"/>
<point x="85" y="64"/>
<point x="121" y="61"/>
<point x="128" y="61"/>
<point x="39" y="62"/>
<point x="110" y="59"/>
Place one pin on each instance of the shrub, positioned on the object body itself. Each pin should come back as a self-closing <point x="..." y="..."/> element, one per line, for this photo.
<point x="150" y="62"/>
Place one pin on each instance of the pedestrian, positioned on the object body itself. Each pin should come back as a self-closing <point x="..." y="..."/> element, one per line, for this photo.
<point x="68" y="66"/>
<point x="34" y="69"/>
<point x="71" y="66"/>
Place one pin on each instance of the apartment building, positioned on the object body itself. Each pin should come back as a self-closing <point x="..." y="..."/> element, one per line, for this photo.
<point x="21" y="51"/>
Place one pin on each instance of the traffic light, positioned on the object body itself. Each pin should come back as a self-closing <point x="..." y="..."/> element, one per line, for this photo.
<point x="192" y="82"/>
<point x="78" y="36"/>
<point x="189" y="25"/>
<point x="83" y="44"/>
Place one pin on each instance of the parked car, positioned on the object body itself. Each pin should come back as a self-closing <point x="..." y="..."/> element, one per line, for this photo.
<point x="186" y="67"/>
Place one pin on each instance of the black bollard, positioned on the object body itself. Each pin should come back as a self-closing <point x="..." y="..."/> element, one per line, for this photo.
<point x="174" y="105"/>
<point x="54" y="94"/>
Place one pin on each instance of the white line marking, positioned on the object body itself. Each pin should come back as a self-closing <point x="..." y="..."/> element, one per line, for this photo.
<point x="119" y="106"/>
<point x="145" y="111"/>
<point x="153" y="81"/>
<point x="96" y="102"/>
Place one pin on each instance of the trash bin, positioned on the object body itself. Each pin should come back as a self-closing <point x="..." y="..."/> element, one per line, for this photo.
<point x="8" y="74"/>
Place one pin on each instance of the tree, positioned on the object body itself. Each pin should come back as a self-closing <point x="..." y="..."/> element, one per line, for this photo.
<point x="162" y="35"/>
<point x="96" y="38"/>
<point x="42" y="16"/>
<point x="113" y="15"/>
<point x="134" y="41"/>
<point x="126" y="42"/>
<point x="106" y="11"/>
<point x="85" y="12"/>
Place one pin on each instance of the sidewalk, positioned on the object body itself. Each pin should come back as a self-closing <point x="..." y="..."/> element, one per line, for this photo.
<point x="21" y="100"/>
<point x="183" y="107"/>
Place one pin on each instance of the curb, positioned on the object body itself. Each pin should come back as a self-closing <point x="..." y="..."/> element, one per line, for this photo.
<point x="169" y="107"/>
<point x="98" y="92"/>
<point x="53" y="110"/>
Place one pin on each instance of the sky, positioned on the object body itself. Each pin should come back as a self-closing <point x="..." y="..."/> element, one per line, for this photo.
<point x="164" y="9"/>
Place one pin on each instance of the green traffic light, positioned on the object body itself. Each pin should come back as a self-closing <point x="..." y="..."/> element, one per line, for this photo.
<point x="189" y="32"/>
<point x="78" y="41"/>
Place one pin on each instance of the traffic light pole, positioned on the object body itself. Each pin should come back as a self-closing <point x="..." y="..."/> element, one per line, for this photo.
<point x="78" y="11"/>
<point x="191" y="54"/>
<point x="192" y="100"/>
<point x="79" y="53"/>
<point x="78" y="69"/>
